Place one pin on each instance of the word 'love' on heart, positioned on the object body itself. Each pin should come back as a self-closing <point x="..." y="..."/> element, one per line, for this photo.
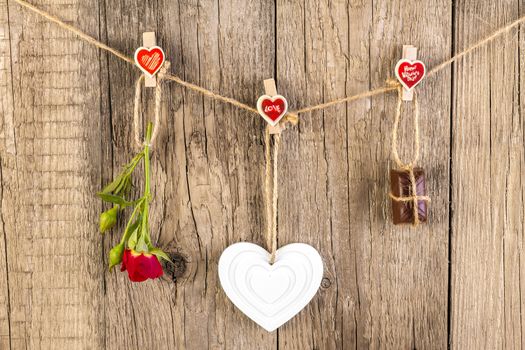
<point x="272" y="109"/>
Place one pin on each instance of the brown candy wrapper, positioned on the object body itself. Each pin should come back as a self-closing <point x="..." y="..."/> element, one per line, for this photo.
<point x="400" y="186"/>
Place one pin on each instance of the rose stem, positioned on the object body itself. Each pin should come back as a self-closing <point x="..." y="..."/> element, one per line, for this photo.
<point x="147" y="175"/>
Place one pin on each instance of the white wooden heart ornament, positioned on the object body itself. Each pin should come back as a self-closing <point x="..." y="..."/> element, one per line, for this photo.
<point x="270" y="294"/>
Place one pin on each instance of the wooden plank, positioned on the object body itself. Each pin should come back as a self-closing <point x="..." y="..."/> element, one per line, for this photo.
<point x="49" y="174"/>
<point x="221" y="193"/>
<point x="385" y="286"/>
<point x="409" y="266"/>
<point x="66" y="114"/>
<point x="206" y="195"/>
<point x="6" y="147"/>
<point x="137" y="315"/>
<point x="488" y="177"/>
<point x="313" y="200"/>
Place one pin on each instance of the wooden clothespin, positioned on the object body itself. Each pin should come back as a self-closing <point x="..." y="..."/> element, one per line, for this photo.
<point x="272" y="107"/>
<point x="149" y="58"/>
<point x="149" y="40"/>
<point x="409" y="53"/>
<point x="409" y="71"/>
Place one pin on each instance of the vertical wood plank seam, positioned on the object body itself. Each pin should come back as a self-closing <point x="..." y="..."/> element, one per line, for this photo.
<point x="305" y="60"/>
<point x="275" y="38"/>
<point x="13" y="143"/>
<point x="103" y="56"/>
<point x="6" y="261"/>
<point x="370" y="220"/>
<point x="450" y="178"/>
<point x="187" y="161"/>
<point x="348" y="196"/>
<point x="11" y="147"/>
<point x="13" y="135"/>
<point x="522" y="199"/>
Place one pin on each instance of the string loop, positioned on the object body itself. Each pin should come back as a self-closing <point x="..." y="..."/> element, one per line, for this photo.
<point x="161" y="75"/>
<point x="409" y="167"/>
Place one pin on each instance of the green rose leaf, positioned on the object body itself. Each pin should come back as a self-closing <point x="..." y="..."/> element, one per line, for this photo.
<point x="141" y="246"/>
<point x="111" y="198"/>
<point x="159" y="253"/>
<point x="133" y="239"/>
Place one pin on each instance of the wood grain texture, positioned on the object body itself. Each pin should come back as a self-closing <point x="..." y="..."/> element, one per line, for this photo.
<point x="207" y="194"/>
<point x="383" y="284"/>
<point x="66" y="129"/>
<point x="488" y="178"/>
<point x="6" y="145"/>
<point x="49" y="173"/>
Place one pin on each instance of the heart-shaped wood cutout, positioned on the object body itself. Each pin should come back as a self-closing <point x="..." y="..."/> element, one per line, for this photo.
<point x="410" y="73"/>
<point x="149" y="60"/>
<point x="270" y="294"/>
<point x="272" y="109"/>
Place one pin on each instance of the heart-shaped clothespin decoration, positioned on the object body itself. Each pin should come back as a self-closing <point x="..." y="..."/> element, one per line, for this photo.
<point x="272" y="109"/>
<point x="149" y="60"/>
<point x="270" y="294"/>
<point x="410" y="73"/>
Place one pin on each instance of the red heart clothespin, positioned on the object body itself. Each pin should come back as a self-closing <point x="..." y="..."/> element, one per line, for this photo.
<point x="272" y="107"/>
<point x="409" y="71"/>
<point x="149" y="58"/>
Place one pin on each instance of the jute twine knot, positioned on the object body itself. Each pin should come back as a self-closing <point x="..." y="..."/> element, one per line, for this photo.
<point x="393" y="83"/>
<point x="161" y="76"/>
<point x="292" y="118"/>
<point x="408" y="167"/>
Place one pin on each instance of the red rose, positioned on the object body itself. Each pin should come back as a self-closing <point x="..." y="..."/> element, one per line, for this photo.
<point x="140" y="266"/>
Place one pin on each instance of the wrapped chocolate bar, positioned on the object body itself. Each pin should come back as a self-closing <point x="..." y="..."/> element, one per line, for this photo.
<point x="404" y="199"/>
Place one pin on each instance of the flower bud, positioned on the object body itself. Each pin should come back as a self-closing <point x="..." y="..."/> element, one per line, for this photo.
<point x="108" y="219"/>
<point x="115" y="255"/>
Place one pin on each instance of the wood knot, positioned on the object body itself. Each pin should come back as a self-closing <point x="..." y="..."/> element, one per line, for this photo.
<point x="326" y="283"/>
<point x="177" y="268"/>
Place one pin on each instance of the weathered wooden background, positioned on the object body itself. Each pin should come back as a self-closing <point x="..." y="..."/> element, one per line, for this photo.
<point x="66" y="127"/>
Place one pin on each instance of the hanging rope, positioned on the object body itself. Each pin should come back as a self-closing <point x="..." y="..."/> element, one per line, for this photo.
<point x="409" y="167"/>
<point x="271" y="194"/>
<point x="291" y="117"/>
<point x="161" y="75"/>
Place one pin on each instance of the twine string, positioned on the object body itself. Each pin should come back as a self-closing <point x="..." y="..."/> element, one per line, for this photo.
<point x="136" y="109"/>
<point x="291" y="117"/>
<point x="414" y="197"/>
<point x="271" y="194"/>
<point x="395" y="130"/>
<point x="158" y="98"/>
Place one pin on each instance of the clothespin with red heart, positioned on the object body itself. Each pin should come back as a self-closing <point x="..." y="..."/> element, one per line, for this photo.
<point x="272" y="107"/>
<point x="409" y="71"/>
<point x="149" y="58"/>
